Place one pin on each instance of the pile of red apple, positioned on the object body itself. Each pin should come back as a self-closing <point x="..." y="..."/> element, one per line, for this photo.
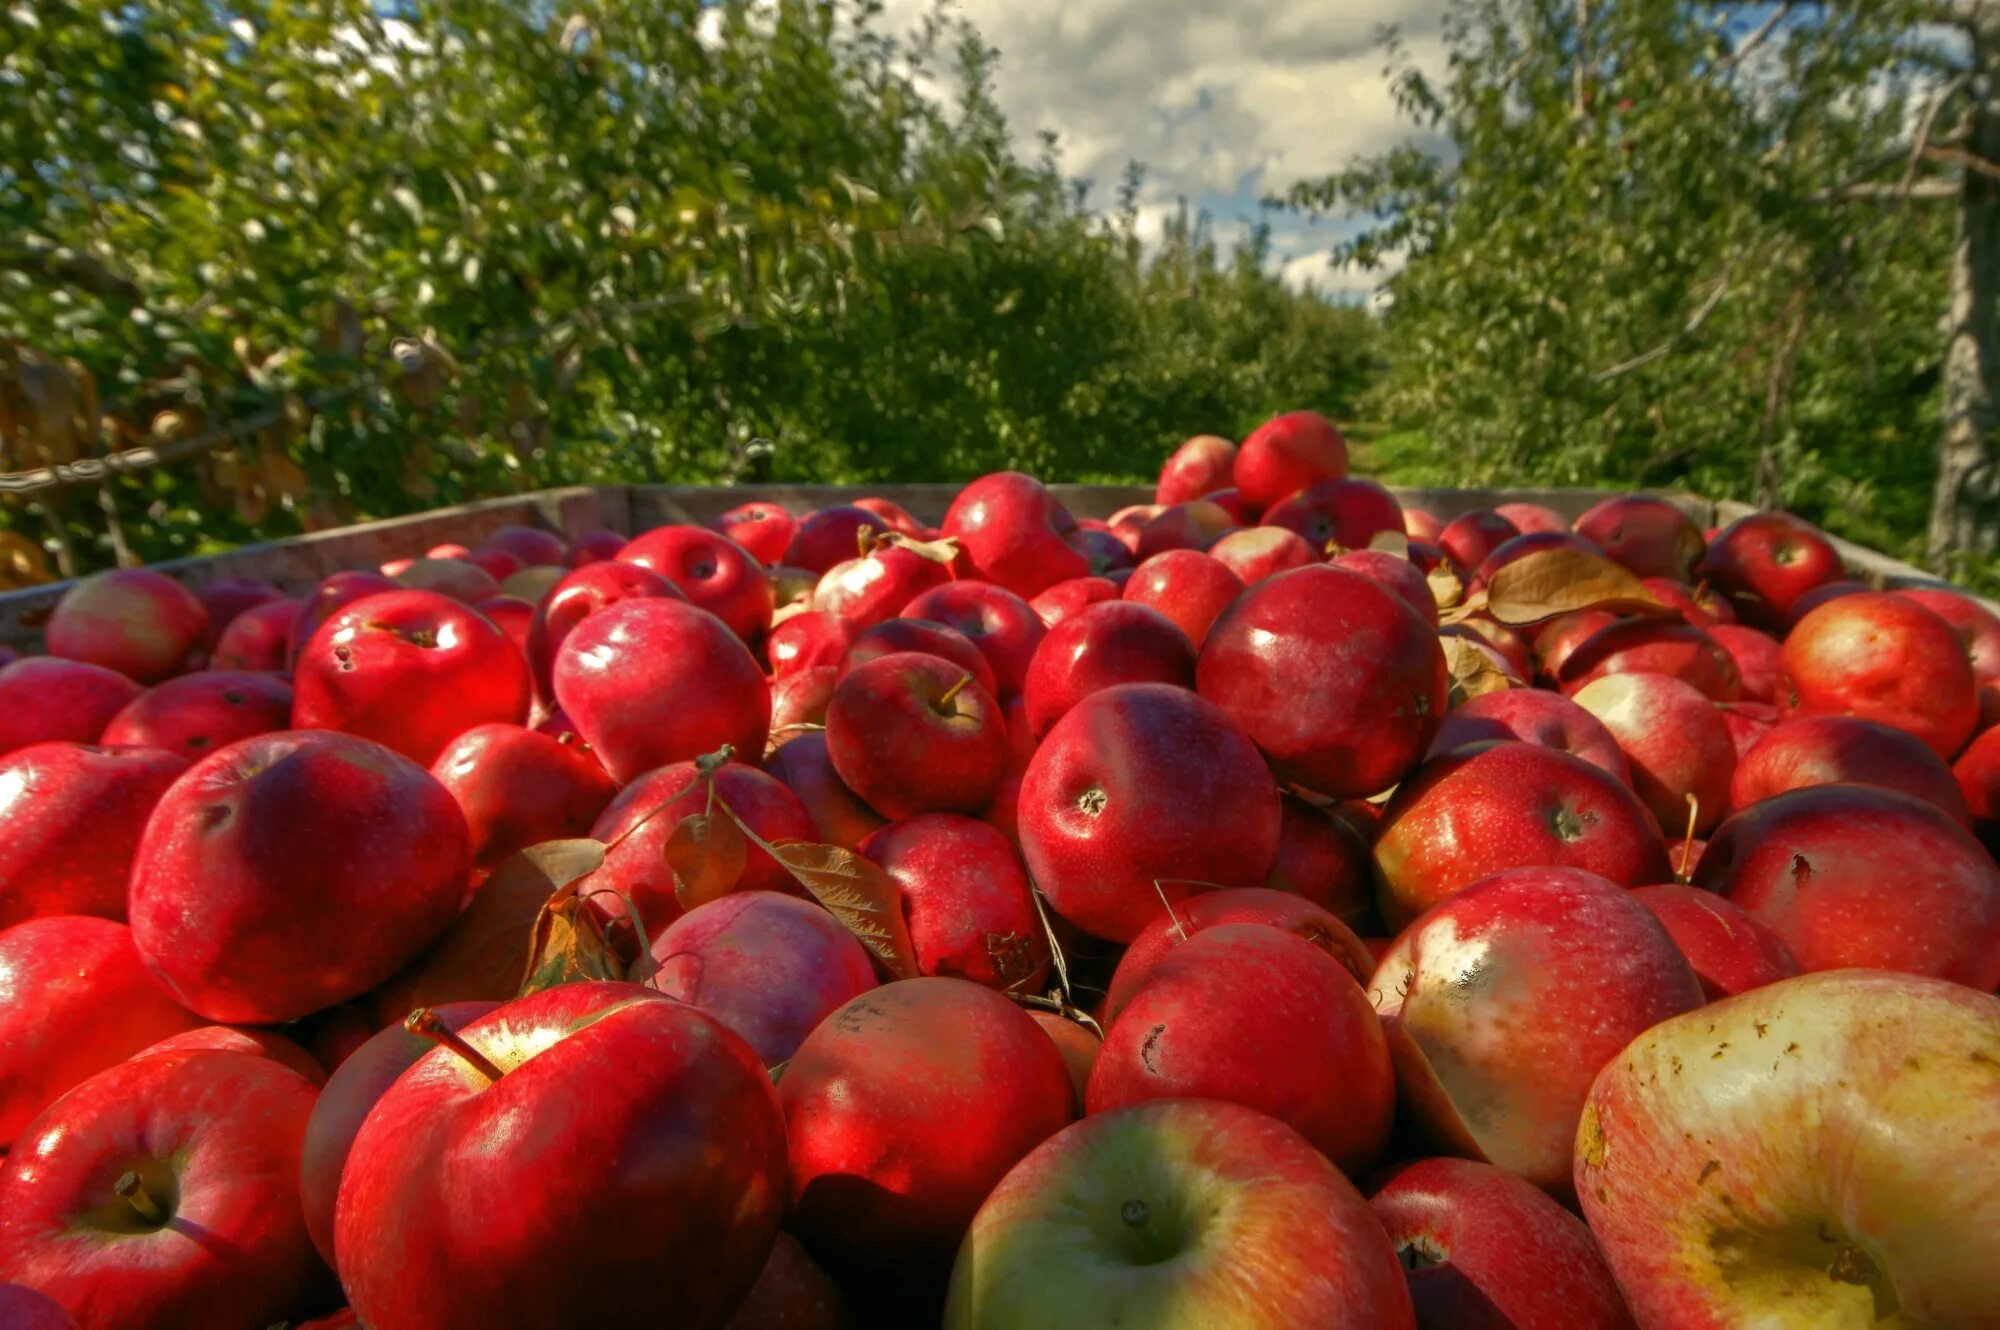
<point x="1269" y="908"/>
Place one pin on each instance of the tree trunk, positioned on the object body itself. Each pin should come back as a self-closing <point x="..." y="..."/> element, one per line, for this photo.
<point x="1965" y="508"/>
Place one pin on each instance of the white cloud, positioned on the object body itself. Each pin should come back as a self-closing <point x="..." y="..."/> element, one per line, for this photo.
<point x="1218" y="99"/>
<point x="1347" y="283"/>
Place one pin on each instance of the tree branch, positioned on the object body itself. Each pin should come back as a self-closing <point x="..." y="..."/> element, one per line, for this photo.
<point x="1882" y="191"/>
<point x="1922" y="143"/>
<point x="1667" y="348"/>
<point x="1757" y="38"/>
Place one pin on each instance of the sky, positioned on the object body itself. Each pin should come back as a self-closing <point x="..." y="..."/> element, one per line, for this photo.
<point x="1224" y="101"/>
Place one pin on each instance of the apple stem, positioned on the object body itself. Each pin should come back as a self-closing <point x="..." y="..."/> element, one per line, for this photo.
<point x="425" y="1022"/>
<point x="955" y="689"/>
<point x="133" y="1192"/>
<point x="1687" y="843"/>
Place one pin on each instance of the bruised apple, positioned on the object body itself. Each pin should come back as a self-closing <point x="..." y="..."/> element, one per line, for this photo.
<point x="1502" y="1003"/>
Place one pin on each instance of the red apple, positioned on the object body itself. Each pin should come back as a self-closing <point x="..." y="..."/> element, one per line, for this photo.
<point x="1654" y="646"/>
<point x="1977" y="773"/>
<point x="1502" y="1003"/>
<point x="609" y="1153"/>
<point x="292" y="871"/>
<point x="411" y="670"/>
<point x="198" y="713"/>
<point x="328" y="598"/>
<point x="1003" y="626"/>
<point x="1286" y="454"/>
<point x="1258" y="1016"/>
<point x="1758" y="657"/>
<point x="800" y="699"/>
<point x="1483" y="1248"/>
<point x="138" y="622"/>
<point x="914" y="733"/>
<point x="1675" y="741"/>
<point x="531" y="545"/>
<point x="872" y="588"/>
<point x="495" y="563"/>
<point x="259" y="638"/>
<point x="518" y="788"/>
<point x="838" y="814"/>
<point x="78" y="1000"/>
<point x="1530" y="518"/>
<point x="1338" y="681"/>
<point x="1109" y="644"/>
<point x="1205" y="462"/>
<point x="1730" y="951"/>
<point x="1535" y="717"/>
<point x="806" y="641"/>
<point x="1256" y="552"/>
<point x="1392" y="572"/>
<point x="1831" y="750"/>
<point x="637" y="824"/>
<point x="1816" y="1153"/>
<point x="904" y="1108"/>
<point x="1475" y="535"/>
<point x="1700" y="605"/>
<point x="22" y="1308"/>
<point x="1015" y="534"/>
<point x="1555" y="641"/>
<point x="712" y="571"/>
<point x="1078" y="1043"/>
<point x="1144" y="792"/>
<point x="1338" y="514"/>
<point x="768" y="966"/>
<point x="163" y="1193"/>
<point x="792" y="1293"/>
<point x="44" y="699"/>
<point x="1976" y="626"/>
<point x="1765" y="561"/>
<point x="1422" y="525"/>
<point x="1187" y="587"/>
<point x="1856" y="875"/>
<point x="1324" y="857"/>
<point x="934" y="639"/>
<point x="1177" y="1213"/>
<point x="448" y="550"/>
<point x="1065" y="599"/>
<point x="513" y="616"/>
<point x="1882" y="657"/>
<point x="1649" y="536"/>
<point x="73" y="816"/>
<point x="594" y="547"/>
<point x="581" y="594"/>
<point x="1484" y="808"/>
<point x="1195" y="525"/>
<point x="652" y="681"/>
<point x="350" y="1094"/>
<point x="828" y="535"/>
<point x="453" y="578"/>
<point x="1283" y="910"/>
<point x="1748" y="722"/>
<point x="228" y="597"/>
<point x="241" y="1039"/>
<point x="1821" y="594"/>
<point x="893" y="516"/>
<point x="765" y="529"/>
<point x="970" y="910"/>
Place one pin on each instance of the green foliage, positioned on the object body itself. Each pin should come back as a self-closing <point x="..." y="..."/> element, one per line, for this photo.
<point x="432" y="253"/>
<point x="1637" y="259"/>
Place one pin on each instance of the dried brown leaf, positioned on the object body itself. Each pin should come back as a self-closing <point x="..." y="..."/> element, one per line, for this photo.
<point x="708" y="855"/>
<point x="1473" y="672"/>
<point x="486" y="952"/>
<point x="942" y="550"/>
<point x="1391" y="542"/>
<point x="1446" y="588"/>
<point x="1554" y="582"/>
<point x="856" y="891"/>
<point x="569" y="946"/>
